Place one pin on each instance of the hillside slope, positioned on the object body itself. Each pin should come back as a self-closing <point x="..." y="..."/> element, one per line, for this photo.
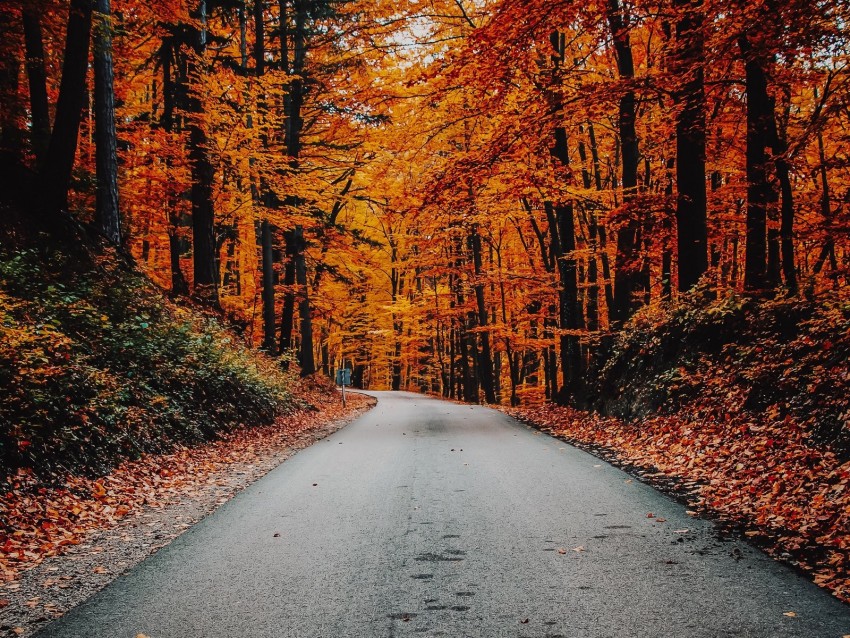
<point x="97" y="365"/>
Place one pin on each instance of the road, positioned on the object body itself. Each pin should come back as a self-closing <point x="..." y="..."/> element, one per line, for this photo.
<point x="428" y="518"/>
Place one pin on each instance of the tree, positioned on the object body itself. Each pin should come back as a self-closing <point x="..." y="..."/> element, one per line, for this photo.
<point x="55" y="174"/>
<point x="691" y="204"/>
<point x="107" y="212"/>
<point x="628" y="280"/>
<point x="37" y="78"/>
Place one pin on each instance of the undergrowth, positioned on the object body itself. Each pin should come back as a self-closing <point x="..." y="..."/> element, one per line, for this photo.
<point x="97" y="365"/>
<point x="785" y="359"/>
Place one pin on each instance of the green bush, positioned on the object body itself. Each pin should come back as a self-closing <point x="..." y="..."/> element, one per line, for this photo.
<point x="99" y="366"/>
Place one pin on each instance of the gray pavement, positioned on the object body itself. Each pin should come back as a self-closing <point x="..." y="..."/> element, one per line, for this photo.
<point x="427" y="518"/>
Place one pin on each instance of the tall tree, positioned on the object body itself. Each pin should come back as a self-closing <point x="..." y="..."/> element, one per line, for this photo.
<point x="296" y="242"/>
<point x="628" y="279"/>
<point x="760" y="192"/>
<point x="204" y="245"/>
<point x="37" y="78"/>
<point x="692" y="229"/>
<point x="485" y="366"/>
<point x="107" y="213"/>
<point x="55" y="175"/>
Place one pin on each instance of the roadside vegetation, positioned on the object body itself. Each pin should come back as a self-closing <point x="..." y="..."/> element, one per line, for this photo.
<point x="97" y="365"/>
<point x="741" y="408"/>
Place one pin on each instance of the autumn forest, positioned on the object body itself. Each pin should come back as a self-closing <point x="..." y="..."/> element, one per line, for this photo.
<point x="638" y="210"/>
<point x="467" y="200"/>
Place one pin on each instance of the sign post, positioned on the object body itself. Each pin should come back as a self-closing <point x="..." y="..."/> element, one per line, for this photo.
<point x="343" y="378"/>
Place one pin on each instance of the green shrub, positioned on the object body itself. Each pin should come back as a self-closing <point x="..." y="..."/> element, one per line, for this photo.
<point x="100" y="366"/>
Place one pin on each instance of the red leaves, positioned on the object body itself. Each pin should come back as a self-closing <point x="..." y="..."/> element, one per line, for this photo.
<point x="38" y="522"/>
<point x="763" y="476"/>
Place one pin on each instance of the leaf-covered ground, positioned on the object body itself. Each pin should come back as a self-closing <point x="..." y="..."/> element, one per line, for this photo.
<point x="40" y="522"/>
<point x="761" y="475"/>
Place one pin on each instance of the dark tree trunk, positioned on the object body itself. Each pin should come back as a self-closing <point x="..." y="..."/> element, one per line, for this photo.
<point x="690" y="146"/>
<point x="628" y="283"/>
<point x="759" y="191"/>
<point x="59" y="161"/>
<point x="571" y="312"/>
<point x="179" y="285"/>
<point x="786" y="227"/>
<point x="294" y="128"/>
<point x="828" y="249"/>
<point x="592" y="263"/>
<point x="398" y="327"/>
<point x="37" y="77"/>
<point x="172" y="90"/>
<point x="306" y="358"/>
<point x="269" y="328"/>
<point x="12" y="110"/>
<point x="396" y="290"/>
<point x="204" y="249"/>
<point x="571" y="317"/>
<point x="287" y="322"/>
<point x="486" y="357"/>
<point x="263" y="197"/>
<point x="107" y="212"/>
<point x="602" y="233"/>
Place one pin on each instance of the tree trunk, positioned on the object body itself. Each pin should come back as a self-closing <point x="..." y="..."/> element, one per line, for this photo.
<point x="571" y="317"/>
<point x="204" y="249"/>
<point x="627" y="278"/>
<point x="759" y="191"/>
<point x="12" y="110"/>
<point x="262" y="198"/>
<point x="269" y="328"/>
<point x="179" y="286"/>
<point x="486" y="358"/>
<point x="107" y="212"/>
<point x="37" y="77"/>
<point x="287" y="321"/>
<point x="306" y="358"/>
<point x="59" y="161"/>
<point x="294" y="127"/>
<point x="690" y="146"/>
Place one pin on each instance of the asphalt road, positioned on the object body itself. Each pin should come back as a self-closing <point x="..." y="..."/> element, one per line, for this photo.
<point x="427" y="518"/>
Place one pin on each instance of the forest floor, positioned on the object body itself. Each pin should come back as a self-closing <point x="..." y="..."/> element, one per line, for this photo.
<point x="73" y="539"/>
<point x="755" y="476"/>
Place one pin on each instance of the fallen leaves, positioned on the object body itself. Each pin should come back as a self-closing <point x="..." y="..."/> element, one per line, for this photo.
<point x="790" y="614"/>
<point x="763" y="476"/>
<point x="37" y="522"/>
